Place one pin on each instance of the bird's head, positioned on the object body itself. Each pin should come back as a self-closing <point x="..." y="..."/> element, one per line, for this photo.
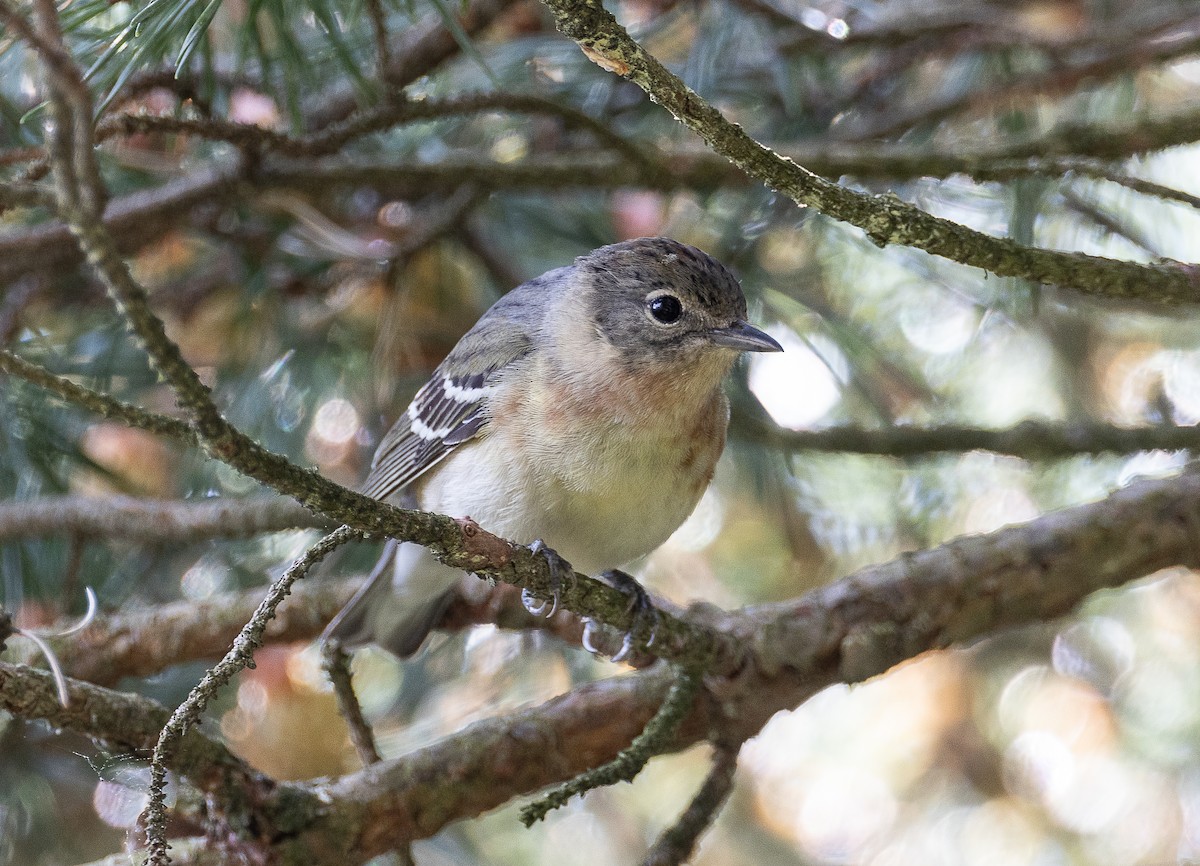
<point x="659" y="301"/>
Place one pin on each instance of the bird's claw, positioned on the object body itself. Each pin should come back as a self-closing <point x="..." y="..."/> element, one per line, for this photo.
<point x="645" y="614"/>
<point x="561" y="574"/>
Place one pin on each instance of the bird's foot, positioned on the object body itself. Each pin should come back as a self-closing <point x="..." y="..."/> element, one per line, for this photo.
<point x="561" y="574"/>
<point x="645" y="614"/>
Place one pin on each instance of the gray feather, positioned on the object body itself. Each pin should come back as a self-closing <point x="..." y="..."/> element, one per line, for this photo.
<point x="398" y="622"/>
<point x="451" y="408"/>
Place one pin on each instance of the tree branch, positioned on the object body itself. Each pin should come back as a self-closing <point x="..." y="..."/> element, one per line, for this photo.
<point x="414" y="52"/>
<point x="126" y="723"/>
<point x="851" y="630"/>
<point x="144" y="641"/>
<point x="677" y="843"/>
<point x="1033" y="571"/>
<point x="153" y="521"/>
<point x="241" y="656"/>
<point x="1163" y="41"/>
<point x="885" y="219"/>
<point x="336" y="136"/>
<point x="335" y="661"/>
<point x="1032" y="440"/>
<point x="141" y="218"/>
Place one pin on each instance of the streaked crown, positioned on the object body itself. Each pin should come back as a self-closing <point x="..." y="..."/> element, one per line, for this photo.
<point x="662" y="300"/>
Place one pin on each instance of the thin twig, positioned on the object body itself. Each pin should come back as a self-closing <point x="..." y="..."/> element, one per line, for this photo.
<point x="380" y="118"/>
<point x="379" y="29"/>
<point x="677" y="842"/>
<point x="1092" y="168"/>
<point x="653" y="740"/>
<point x="1159" y="43"/>
<point x="153" y="521"/>
<point x="94" y="401"/>
<point x="1109" y="221"/>
<point x="336" y="662"/>
<point x="1032" y="440"/>
<point x="239" y="657"/>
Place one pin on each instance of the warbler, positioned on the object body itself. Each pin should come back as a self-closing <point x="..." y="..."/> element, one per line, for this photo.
<point x="584" y="412"/>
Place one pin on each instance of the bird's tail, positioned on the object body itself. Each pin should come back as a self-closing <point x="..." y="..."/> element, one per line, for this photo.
<point x="401" y="602"/>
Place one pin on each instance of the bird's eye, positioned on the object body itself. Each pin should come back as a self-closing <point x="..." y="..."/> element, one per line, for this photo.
<point x="666" y="309"/>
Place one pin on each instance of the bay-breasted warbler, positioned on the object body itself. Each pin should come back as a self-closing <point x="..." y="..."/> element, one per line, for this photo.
<point x="584" y="409"/>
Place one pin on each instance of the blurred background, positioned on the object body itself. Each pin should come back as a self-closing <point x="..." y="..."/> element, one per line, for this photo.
<point x="316" y="309"/>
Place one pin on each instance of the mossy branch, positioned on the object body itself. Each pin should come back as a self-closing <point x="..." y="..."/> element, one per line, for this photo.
<point x="654" y="739"/>
<point x="884" y="218"/>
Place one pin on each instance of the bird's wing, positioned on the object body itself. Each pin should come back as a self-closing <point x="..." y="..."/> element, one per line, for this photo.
<point x="452" y="407"/>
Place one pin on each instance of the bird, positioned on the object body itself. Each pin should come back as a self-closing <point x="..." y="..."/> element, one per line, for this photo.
<point x="583" y="415"/>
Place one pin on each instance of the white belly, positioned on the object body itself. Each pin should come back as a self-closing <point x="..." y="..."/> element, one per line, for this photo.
<point x="598" y="505"/>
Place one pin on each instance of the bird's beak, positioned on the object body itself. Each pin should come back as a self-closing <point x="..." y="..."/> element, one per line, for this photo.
<point x="745" y="338"/>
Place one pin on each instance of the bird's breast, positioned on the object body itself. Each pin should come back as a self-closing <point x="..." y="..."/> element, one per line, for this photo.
<point x="601" y="488"/>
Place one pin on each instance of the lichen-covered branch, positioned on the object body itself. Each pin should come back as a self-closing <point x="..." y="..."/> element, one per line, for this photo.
<point x="654" y="739"/>
<point x="851" y="630"/>
<point x="885" y="218"/>
<point x="390" y="114"/>
<point x="125" y="723"/>
<point x="239" y="657"/>
<point x="102" y="404"/>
